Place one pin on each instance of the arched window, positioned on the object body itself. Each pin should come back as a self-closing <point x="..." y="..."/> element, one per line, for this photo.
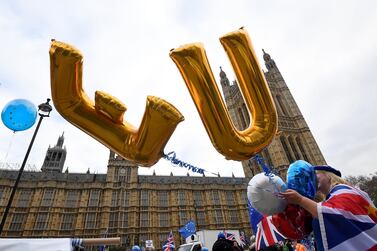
<point x="242" y="119"/>
<point x="293" y="147"/>
<point x="286" y="149"/>
<point x="302" y="149"/>
<point x="251" y="167"/>
<point x="267" y="157"/>
<point x="246" y="112"/>
<point x="281" y="104"/>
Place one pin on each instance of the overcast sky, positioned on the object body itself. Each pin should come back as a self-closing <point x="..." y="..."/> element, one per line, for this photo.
<point x="325" y="50"/>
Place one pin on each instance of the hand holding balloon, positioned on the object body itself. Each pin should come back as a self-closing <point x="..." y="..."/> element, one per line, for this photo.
<point x="301" y="180"/>
<point x="292" y="196"/>
<point x="295" y="221"/>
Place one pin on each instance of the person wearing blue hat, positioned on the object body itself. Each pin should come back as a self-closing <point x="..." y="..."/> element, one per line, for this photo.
<point x="223" y="244"/>
<point x="136" y="248"/>
<point x="221" y="235"/>
<point x="345" y="220"/>
<point x="226" y="241"/>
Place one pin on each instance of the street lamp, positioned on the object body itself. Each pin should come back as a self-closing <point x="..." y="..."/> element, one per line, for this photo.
<point x="43" y="111"/>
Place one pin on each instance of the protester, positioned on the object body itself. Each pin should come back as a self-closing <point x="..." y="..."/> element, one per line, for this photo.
<point x="222" y="244"/>
<point x="197" y="248"/>
<point x="347" y="218"/>
<point x="252" y="243"/>
<point x="136" y="248"/>
<point x="299" y="246"/>
<point x="289" y="245"/>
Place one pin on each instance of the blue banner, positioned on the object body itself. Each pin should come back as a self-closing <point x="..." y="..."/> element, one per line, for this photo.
<point x="171" y="156"/>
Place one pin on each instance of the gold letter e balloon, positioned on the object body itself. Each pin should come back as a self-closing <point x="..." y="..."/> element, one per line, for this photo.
<point x="103" y="119"/>
<point x="193" y="64"/>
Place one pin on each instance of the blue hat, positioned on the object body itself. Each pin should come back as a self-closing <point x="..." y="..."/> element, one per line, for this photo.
<point x="136" y="248"/>
<point x="221" y="235"/>
<point x="328" y="169"/>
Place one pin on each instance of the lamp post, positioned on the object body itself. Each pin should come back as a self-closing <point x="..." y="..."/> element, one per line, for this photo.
<point x="43" y="111"/>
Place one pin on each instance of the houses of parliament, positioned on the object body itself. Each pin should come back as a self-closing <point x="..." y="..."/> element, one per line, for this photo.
<point x="122" y="203"/>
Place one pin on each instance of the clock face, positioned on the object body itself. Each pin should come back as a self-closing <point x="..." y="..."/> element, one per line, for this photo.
<point x="122" y="171"/>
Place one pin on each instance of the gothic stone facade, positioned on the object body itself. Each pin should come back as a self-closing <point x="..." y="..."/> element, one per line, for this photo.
<point x="121" y="202"/>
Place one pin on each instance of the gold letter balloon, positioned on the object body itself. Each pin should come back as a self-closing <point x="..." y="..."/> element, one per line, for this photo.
<point x="194" y="67"/>
<point x="103" y="119"/>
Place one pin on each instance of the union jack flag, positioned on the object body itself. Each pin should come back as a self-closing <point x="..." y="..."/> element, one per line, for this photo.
<point x="266" y="232"/>
<point x="169" y="244"/>
<point x="229" y="236"/>
<point x="347" y="220"/>
<point x="243" y="239"/>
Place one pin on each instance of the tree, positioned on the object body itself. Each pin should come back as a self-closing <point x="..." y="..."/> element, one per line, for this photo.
<point x="366" y="183"/>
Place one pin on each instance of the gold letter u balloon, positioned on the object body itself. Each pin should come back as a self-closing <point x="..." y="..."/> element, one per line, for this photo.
<point x="193" y="64"/>
<point x="103" y="120"/>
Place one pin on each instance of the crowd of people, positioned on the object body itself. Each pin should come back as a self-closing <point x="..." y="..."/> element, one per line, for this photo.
<point x="223" y="244"/>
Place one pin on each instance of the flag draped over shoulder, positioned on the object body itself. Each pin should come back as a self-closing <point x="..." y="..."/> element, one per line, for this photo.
<point x="188" y="229"/>
<point x="169" y="244"/>
<point x="265" y="231"/>
<point x="346" y="221"/>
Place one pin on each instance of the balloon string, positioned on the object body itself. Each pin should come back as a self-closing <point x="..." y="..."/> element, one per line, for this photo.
<point x="9" y="146"/>
<point x="261" y="162"/>
<point x="268" y="173"/>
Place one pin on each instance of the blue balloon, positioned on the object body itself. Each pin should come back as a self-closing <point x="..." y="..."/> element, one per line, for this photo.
<point x="301" y="177"/>
<point x="204" y="249"/>
<point x="19" y="115"/>
<point x="136" y="248"/>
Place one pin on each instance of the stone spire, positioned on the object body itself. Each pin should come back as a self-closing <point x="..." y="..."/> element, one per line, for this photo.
<point x="60" y="141"/>
<point x="223" y="78"/>
<point x="269" y="62"/>
<point x="55" y="157"/>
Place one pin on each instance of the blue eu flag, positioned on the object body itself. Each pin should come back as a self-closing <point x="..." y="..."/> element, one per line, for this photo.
<point x="255" y="216"/>
<point x="188" y="229"/>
